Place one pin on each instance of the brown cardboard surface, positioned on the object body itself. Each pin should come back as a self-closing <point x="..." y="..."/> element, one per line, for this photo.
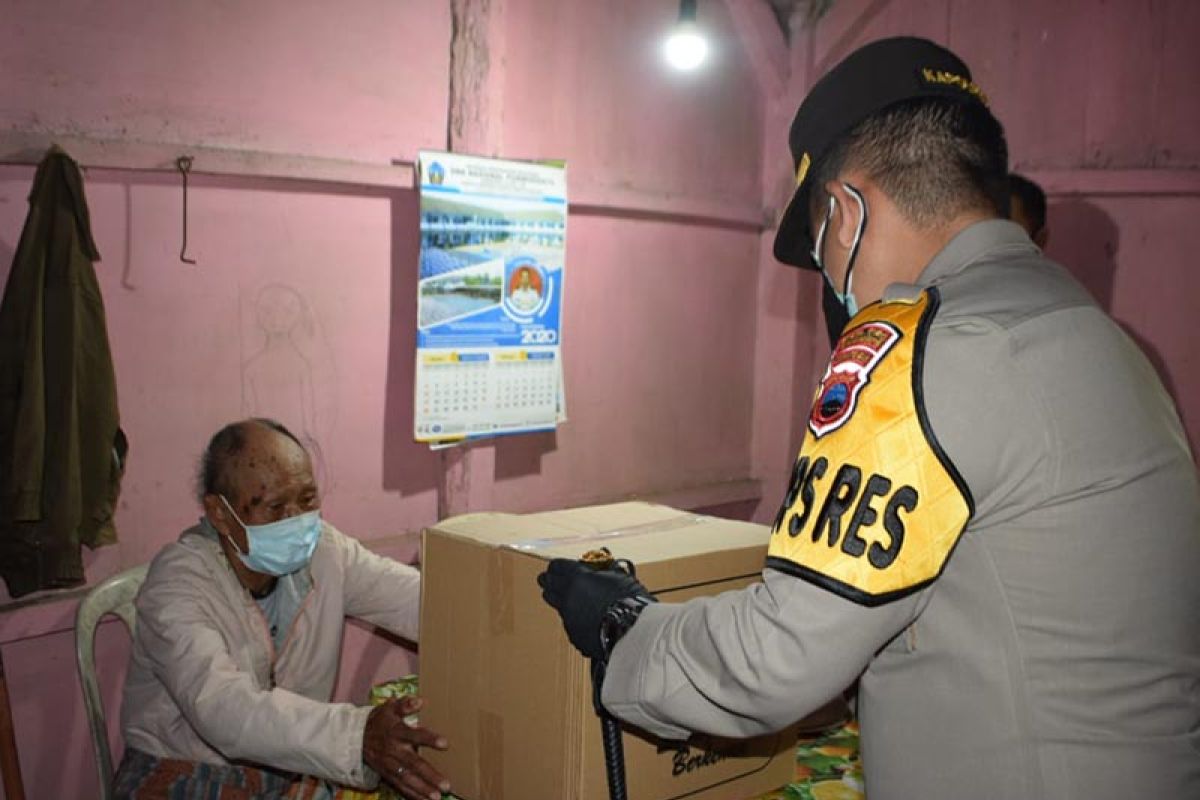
<point x="505" y="686"/>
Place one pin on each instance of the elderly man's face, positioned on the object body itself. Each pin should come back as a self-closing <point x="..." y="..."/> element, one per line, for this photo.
<point x="270" y="479"/>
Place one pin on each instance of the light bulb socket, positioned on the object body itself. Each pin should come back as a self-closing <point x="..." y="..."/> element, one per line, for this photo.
<point x="687" y="11"/>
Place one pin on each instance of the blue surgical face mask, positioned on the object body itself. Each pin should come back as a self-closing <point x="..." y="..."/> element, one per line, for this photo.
<point x="845" y="304"/>
<point x="847" y="299"/>
<point x="282" y="547"/>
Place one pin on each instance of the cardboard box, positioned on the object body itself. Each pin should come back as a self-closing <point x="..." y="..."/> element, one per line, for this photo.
<point x="514" y="698"/>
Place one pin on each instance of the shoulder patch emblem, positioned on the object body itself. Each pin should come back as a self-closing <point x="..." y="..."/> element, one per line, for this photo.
<point x="858" y="353"/>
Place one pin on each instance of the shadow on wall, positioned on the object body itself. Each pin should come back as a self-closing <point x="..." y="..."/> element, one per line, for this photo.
<point x="1086" y="240"/>
<point x="7" y="253"/>
<point x="129" y="182"/>
<point x="408" y="467"/>
<point x="811" y="338"/>
<point x="522" y="454"/>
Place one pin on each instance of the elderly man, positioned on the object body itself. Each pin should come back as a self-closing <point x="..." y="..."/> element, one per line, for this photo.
<point x="994" y="518"/>
<point x="239" y="629"/>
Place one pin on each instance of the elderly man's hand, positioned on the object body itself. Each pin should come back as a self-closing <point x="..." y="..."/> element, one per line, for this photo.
<point x="581" y="595"/>
<point x="390" y="748"/>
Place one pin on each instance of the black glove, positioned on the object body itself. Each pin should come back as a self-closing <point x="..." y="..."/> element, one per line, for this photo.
<point x="582" y="594"/>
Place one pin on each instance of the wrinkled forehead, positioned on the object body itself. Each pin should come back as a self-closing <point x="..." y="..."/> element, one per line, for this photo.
<point x="269" y="463"/>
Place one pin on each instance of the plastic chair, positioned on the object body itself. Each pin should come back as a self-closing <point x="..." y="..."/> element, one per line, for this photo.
<point x="112" y="596"/>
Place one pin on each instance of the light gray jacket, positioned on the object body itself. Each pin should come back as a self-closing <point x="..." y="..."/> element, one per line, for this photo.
<point x="205" y="683"/>
<point x="1057" y="657"/>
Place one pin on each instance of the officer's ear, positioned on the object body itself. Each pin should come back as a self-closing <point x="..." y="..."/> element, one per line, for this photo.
<point x="1041" y="237"/>
<point x="847" y="213"/>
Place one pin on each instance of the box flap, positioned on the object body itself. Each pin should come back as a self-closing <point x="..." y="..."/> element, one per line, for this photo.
<point x="641" y="532"/>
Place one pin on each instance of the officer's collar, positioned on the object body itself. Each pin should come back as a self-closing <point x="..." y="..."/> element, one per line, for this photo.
<point x="971" y="244"/>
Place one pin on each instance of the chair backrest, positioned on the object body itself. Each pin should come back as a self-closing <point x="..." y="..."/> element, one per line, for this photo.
<point x="112" y="596"/>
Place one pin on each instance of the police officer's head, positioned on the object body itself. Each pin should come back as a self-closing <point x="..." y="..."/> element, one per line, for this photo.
<point x="1028" y="208"/>
<point x="895" y="152"/>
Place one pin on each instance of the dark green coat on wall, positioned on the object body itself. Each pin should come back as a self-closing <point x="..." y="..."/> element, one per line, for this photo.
<point x="61" y="450"/>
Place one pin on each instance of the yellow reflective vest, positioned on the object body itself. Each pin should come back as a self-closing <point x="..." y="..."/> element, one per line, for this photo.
<point x="874" y="507"/>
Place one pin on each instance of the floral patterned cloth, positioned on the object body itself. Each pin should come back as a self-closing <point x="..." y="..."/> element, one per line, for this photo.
<point x="827" y="768"/>
<point x="827" y="765"/>
<point x="142" y="776"/>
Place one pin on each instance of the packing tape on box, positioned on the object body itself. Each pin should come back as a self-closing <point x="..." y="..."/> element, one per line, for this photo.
<point x="490" y="762"/>
<point x="658" y="526"/>
<point x="501" y="616"/>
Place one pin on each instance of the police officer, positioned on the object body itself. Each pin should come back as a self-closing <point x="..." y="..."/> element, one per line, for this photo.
<point x="994" y="517"/>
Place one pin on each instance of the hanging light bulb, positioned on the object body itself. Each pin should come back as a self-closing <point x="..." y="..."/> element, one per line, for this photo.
<point x="686" y="48"/>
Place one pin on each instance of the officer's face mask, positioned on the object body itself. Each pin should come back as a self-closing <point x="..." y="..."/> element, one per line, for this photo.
<point x="839" y="307"/>
<point x="282" y="547"/>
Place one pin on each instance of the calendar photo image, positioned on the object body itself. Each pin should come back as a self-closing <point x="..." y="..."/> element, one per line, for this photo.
<point x="489" y="304"/>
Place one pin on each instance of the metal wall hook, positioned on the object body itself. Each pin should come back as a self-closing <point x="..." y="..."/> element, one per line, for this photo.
<point x="184" y="165"/>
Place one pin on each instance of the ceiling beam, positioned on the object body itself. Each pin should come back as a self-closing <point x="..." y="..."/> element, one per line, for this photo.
<point x="764" y="43"/>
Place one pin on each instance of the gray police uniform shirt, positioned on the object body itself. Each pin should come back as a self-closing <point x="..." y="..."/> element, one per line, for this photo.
<point x="1057" y="656"/>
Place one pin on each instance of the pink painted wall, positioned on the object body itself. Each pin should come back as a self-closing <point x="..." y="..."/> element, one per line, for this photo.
<point x="656" y="308"/>
<point x="1133" y="251"/>
<point x="690" y="354"/>
<point x="660" y="326"/>
<point x="366" y="81"/>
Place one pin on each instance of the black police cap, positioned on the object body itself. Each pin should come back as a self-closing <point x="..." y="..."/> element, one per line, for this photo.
<point x="869" y="80"/>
